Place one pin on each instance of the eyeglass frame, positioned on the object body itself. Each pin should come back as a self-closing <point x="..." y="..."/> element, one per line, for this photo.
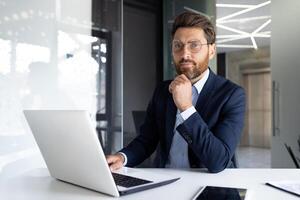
<point x="189" y="43"/>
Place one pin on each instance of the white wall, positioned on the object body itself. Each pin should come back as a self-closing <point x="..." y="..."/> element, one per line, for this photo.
<point x="35" y="73"/>
<point x="285" y="69"/>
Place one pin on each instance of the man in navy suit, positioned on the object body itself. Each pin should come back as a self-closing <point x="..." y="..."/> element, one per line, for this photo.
<point x="195" y="120"/>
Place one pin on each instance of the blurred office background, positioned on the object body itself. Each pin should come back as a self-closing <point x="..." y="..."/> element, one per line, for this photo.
<point x="106" y="56"/>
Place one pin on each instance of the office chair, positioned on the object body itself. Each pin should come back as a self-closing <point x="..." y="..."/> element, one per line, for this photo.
<point x="294" y="158"/>
<point x="235" y="161"/>
<point x="138" y="119"/>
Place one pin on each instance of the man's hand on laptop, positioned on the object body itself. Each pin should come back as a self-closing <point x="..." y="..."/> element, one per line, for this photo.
<point x="115" y="161"/>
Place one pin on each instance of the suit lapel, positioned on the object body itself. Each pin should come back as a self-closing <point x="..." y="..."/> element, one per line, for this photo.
<point x="170" y="120"/>
<point x="205" y="94"/>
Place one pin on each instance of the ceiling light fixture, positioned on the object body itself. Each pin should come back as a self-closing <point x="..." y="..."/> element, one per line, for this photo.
<point x="196" y="11"/>
<point x="235" y="46"/>
<point x="232" y="39"/>
<point x="241" y="34"/>
<point x="259" y="35"/>
<point x="253" y="42"/>
<point x="243" y="11"/>
<point x="246" y="19"/>
<point x="262" y="26"/>
<point x="223" y="5"/>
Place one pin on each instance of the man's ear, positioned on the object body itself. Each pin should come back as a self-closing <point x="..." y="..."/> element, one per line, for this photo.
<point x="212" y="51"/>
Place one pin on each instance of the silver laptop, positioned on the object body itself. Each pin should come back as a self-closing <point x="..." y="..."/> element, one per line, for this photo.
<point x="71" y="149"/>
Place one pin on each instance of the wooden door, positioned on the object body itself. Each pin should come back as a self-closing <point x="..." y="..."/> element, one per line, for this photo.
<point x="257" y="130"/>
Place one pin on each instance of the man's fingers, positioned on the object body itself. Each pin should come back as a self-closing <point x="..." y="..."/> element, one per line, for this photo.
<point x="182" y="77"/>
<point x="110" y="159"/>
<point x="170" y="87"/>
<point x="115" y="166"/>
<point x="179" y="80"/>
<point x="114" y="161"/>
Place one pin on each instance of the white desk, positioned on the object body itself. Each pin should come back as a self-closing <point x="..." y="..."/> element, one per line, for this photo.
<point x="37" y="184"/>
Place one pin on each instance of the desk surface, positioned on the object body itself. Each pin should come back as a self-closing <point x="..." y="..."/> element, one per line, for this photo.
<point x="37" y="184"/>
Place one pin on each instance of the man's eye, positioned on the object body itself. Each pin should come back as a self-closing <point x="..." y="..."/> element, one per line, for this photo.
<point x="194" y="45"/>
<point x="176" y="45"/>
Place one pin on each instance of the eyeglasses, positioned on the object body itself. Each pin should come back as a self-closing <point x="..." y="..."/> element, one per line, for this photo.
<point x="193" y="46"/>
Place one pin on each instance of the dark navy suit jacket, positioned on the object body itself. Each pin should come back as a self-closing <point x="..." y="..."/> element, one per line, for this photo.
<point x="212" y="133"/>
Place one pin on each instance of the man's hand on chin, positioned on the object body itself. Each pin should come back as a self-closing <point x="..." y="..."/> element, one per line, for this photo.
<point x="181" y="89"/>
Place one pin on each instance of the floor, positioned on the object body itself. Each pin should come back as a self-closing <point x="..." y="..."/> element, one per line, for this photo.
<point x="251" y="157"/>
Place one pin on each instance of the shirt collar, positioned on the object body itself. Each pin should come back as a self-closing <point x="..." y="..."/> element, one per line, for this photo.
<point x="199" y="84"/>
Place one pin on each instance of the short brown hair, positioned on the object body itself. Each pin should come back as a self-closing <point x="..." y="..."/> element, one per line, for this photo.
<point x="194" y="20"/>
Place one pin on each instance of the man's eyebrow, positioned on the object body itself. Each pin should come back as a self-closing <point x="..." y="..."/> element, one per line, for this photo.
<point x="194" y="40"/>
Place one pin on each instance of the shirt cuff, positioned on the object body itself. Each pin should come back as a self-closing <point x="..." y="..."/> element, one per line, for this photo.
<point x="188" y="112"/>
<point x="125" y="158"/>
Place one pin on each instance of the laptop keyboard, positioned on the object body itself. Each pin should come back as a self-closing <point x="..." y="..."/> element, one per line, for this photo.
<point x="128" y="181"/>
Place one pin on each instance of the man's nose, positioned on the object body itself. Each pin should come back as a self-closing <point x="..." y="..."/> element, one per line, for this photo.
<point x="185" y="53"/>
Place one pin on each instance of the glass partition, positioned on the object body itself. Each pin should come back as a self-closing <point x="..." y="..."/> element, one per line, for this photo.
<point x="57" y="56"/>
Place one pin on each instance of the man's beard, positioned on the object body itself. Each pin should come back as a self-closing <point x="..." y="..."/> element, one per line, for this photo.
<point x="195" y="71"/>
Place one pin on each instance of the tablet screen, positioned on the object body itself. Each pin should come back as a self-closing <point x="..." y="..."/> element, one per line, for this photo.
<point x="221" y="193"/>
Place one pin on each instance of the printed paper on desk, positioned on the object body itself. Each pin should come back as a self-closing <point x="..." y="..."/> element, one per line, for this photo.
<point x="292" y="187"/>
